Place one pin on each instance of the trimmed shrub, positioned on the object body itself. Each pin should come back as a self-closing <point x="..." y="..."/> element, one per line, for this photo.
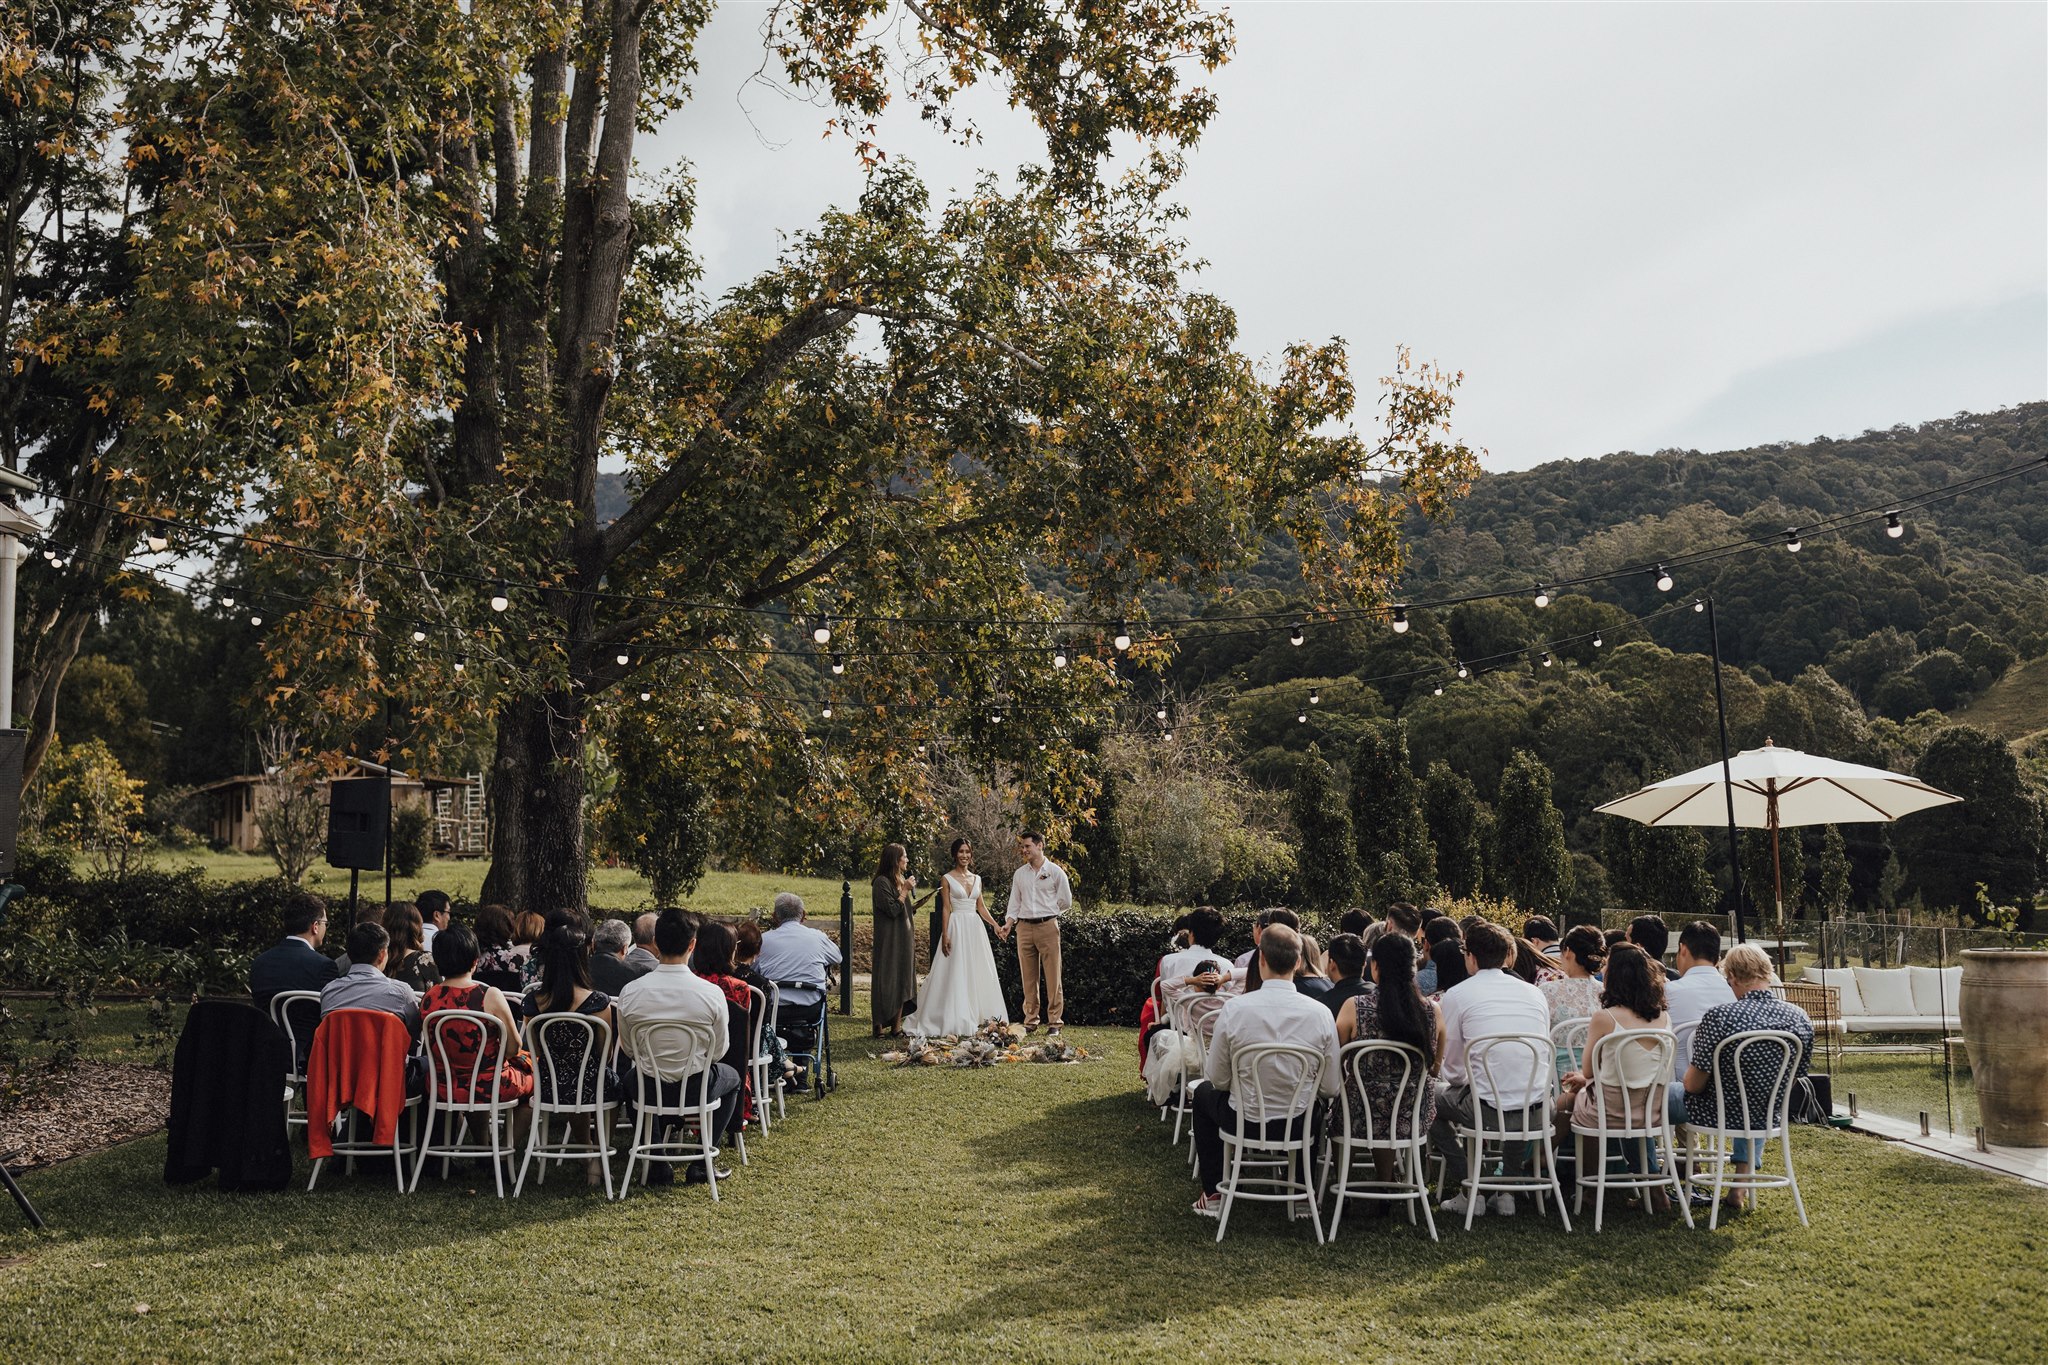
<point x="412" y="834"/>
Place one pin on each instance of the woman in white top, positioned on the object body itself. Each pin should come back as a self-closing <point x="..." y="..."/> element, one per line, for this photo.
<point x="962" y="992"/>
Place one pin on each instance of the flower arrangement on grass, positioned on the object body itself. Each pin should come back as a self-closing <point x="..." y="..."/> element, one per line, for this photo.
<point x="995" y="1043"/>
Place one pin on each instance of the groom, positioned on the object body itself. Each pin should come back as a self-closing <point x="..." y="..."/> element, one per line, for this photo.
<point x="1039" y="895"/>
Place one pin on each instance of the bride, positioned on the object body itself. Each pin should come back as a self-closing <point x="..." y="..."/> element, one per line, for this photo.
<point x="962" y="992"/>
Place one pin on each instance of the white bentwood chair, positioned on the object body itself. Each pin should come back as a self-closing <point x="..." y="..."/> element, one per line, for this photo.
<point x="448" y="1078"/>
<point x="1637" y="1063"/>
<point x="1511" y="1064"/>
<point x="1272" y="1169"/>
<point x="1363" y="1135"/>
<point x="688" y="1043"/>
<point x="572" y="1056"/>
<point x="1777" y="1053"/>
<point x="297" y="1016"/>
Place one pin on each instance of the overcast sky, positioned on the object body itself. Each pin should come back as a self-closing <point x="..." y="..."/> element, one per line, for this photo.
<point x="1632" y="226"/>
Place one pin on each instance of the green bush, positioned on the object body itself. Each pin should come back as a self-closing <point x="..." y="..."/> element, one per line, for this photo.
<point x="412" y="834"/>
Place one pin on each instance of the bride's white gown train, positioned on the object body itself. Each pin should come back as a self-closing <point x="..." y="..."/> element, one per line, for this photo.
<point x="962" y="991"/>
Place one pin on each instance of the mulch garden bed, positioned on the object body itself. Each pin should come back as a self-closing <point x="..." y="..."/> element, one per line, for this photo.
<point x="91" y="1107"/>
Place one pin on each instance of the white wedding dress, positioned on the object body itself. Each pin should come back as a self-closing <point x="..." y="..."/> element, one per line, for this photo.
<point x="962" y="992"/>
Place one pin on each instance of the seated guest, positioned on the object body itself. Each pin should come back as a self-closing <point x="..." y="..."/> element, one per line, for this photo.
<point x="408" y="961"/>
<point x="1576" y="994"/>
<point x="468" y="1048"/>
<point x="1542" y="935"/>
<point x="1490" y="1001"/>
<point x="1274" y="1013"/>
<point x="670" y="993"/>
<point x="1440" y="928"/>
<point x="1405" y="919"/>
<point x="1204" y="927"/>
<point x="1750" y="979"/>
<point x="365" y="914"/>
<point x="1248" y="961"/>
<point x="1394" y="1011"/>
<point x="364" y="986"/>
<point x="1631" y="998"/>
<point x="641" y="954"/>
<point x="1527" y="963"/>
<point x="712" y="959"/>
<point x="746" y="955"/>
<point x="565" y="988"/>
<point x="609" y="969"/>
<point x="527" y="927"/>
<point x="1447" y="966"/>
<point x="1699" y="985"/>
<point x="1354" y="922"/>
<point x="566" y="985"/>
<point x="1309" y="976"/>
<point x="433" y="907"/>
<point x="296" y="964"/>
<point x="1652" y="935"/>
<point x="496" y="956"/>
<point x="1347" y="969"/>
<point x="1614" y="936"/>
<point x="793" y="952"/>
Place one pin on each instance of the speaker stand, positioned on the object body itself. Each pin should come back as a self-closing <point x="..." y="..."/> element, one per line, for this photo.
<point x="28" y="1210"/>
<point x="354" y="875"/>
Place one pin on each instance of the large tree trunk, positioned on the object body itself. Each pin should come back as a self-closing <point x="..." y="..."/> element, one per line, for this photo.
<point x="537" y="788"/>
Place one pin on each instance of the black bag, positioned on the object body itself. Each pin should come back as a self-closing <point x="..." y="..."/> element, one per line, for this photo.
<point x="1813" y="1100"/>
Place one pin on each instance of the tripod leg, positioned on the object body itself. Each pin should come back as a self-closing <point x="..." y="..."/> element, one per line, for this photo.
<point x="28" y="1210"/>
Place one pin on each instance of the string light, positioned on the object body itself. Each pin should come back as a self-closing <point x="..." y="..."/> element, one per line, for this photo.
<point x="1059" y="658"/>
<point x="996" y="717"/>
<point x="1298" y="634"/>
<point x="1463" y="672"/>
<point x="1400" y="622"/>
<point x="828" y="710"/>
<point x="1315" y="698"/>
<point x="623" y="658"/>
<point x="1546" y="658"/>
<point x="700" y="727"/>
<point x="1893" y="527"/>
<point x="255" y="618"/>
<point x="1169" y="738"/>
<point x="157" y="544"/>
<point x="1598" y="641"/>
<point x="1041" y="746"/>
<point x="501" y="597"/>
<point x="1792" y="540"/>
<point x="821" y="630"/>
<point x="1699" y="606"/>
<point x="1160" y="714"/>
<point x="1439" y="689"/>
<point x="227" y="603"/>
<point x="460" y="663"/>
<point x="647" y="696"/>
<point x="419" y="634"/>
<point x="1301" y="718"/>
<point x="1663" y="579"/>
<point x="1542" y="596"/>
<point x="1122" y="640"/>
<point x="838" y="664"/>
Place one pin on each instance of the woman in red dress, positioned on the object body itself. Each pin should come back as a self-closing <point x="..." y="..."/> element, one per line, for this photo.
<point x="712" y="959"/>
<point x="455" y="953"/>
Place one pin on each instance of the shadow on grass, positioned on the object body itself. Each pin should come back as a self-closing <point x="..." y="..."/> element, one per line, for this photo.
<point x="1124" y="1250"/>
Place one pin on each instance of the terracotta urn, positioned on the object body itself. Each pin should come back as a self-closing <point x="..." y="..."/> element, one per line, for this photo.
<point x="2005" y="1022"/>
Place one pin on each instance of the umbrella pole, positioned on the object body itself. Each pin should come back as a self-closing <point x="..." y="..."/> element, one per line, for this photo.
<point x="1777" y="874"/>
<point x="1727" y="778"/>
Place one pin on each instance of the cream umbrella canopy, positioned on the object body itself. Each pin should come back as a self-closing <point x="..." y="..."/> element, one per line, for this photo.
<point x="1772" y="788"/>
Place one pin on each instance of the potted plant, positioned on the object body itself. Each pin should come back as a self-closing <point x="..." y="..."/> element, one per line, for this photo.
<point x="2005" y="1023"/>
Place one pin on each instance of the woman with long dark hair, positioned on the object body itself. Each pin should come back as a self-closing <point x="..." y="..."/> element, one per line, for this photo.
<point x="894" y="964"/>
<point x="1393" y="1010"/>
<point x="1632" y="998"/>
<point x="409" y="961"/>
<point x="713" y="959"/>
<point x="562" y="953"/>
<point x="962" y="993"/>
<point x="1448" y="956"/>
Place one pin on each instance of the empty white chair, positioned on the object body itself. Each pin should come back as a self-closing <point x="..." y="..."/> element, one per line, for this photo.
<point x="1511" y="1065"/>
<point x="297" y="1015"/>
<point x="458" y="1090"/>
<point x="1569" y="1039"/>
<point x="1753" y="1112"/>
<point x="1271" y="1169"/>
<point x="1630" y="1071"/>
<point x="687" y="1043"/>
<point x="1361" y="1134"/>
<point x="571" y="1061"/>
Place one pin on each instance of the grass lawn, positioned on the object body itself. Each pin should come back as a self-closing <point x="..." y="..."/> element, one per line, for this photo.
<point x="611" y="888"/>
<point x="1025" y="1214"/>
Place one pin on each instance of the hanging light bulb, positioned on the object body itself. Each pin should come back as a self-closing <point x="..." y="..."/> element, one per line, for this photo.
<point x="1160" y="714"/>
<point x="1893" y="527"/>
<point x="1169" y="738"/>
<point x="1546" y="658"/>
<point x="460" y="663"/>
<point x="996" y="717"/>
<point x="1699" y="606"/>
<point x="920" y="748"/>
<point x="1400" y="620"/>
<point x="228" y="603"/>
<point x="1298" y="634"/>
<point x="1059" y="658"/>
<point x="1439" y="690"/>
<point x="1599" y="640"/>
<point x="1542" y="596"/>
<point x="623" y="658"/>
<point x="838" y="664"/>
<point x="1122" y="639"/>
<point x="1041" y="746"/>
<point x="255" y="618"/>
<point x="157" y="544"/>
<point x="828" y="710"/>
<point x="700" y="727"/>
<point x="501" y="597"/>
<point x="1301" y="718"/>
<point x="1463" y="671"/>
<point x="1663" y="579"/>
<point x="821" y="630"/>
<point x="419" y="634"/>
<point x="1315" y="698"/>
<point x="1792" y="540"/>
<point x="647" y="696"/>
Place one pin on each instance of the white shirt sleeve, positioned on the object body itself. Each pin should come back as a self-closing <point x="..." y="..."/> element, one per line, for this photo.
<point x="1063" y="892"/>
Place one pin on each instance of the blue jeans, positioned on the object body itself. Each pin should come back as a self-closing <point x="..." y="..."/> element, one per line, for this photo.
<point x="1745" y="1152"/>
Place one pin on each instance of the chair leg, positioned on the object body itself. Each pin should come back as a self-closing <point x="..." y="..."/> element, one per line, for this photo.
<point x="1315" y="1206"/>
<point x="314" y="1179"/>
<point x="535" y="1132"/>
<point x="1343" y="1185"/>
<point x="1720" y="1159"/>
<point x="1475" y="1155"/>
<point x="426" y="1140"/>
<point x="496" y="1120"/>
<point x="1785" y="1146"/>
<point x="1678" y="1191"/>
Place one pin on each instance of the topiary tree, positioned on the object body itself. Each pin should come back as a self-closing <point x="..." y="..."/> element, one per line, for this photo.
<point x="1327" y="863"/>
<point x="1386" y="816"/>
<point x="1456" y="818"/>
<point x="1658" y="870"/>
<point x="1531" y="866"/>
<point x="412" y="840"/>
<point x="1834" y="873"/>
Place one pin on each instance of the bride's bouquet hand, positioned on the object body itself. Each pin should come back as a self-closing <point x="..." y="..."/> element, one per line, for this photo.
<point x="946" y="945"/>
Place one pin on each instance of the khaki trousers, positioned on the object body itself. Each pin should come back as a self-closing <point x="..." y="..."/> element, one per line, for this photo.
<point x="1038" y="952"/>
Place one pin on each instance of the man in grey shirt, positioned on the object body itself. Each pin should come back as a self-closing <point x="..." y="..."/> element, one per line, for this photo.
<point x="793" y="951"/>
<point x="365" y="987"/>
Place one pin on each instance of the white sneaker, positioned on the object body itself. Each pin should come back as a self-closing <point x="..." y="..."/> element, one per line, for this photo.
<point x="1504" y="1205"/>
<point x="1455" y="1206"/>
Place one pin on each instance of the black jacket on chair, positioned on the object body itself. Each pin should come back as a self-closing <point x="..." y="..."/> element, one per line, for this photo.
<point x="227" y="1099"/>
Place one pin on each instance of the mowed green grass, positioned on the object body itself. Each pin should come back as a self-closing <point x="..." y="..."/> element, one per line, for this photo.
<point x="1023" y="1214"/>
<point x="611" y="888"/>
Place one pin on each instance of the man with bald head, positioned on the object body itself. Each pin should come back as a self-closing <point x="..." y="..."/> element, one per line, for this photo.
<point x="1274" y="1013"/>
<point x="642" y="959"/>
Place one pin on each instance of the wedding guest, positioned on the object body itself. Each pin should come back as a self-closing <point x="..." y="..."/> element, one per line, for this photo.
<point x="672" y="992"/>
<point x="609" y="968"/>
<point x="1309" y="976"/>
<point x="1541" y="932"/>
<point x="893" y="968"/>
<point x="641" y="955"/>
<point x="1577" y="993"/>
<point x="1204" y="927"/>
<point x="408" y="960"/>
<point x="1652" y="935"/>
<point x="1354" y="922"/>
<point x="433" y="907"/>
<point x="1391" y="1009"/>
<point x="1447" y="960"/>
<point x="364" y="986"/>
<point x="1631" y="998"/>
<point x="1750" y="978"/>
<point x="799" y="960"/>
<point x="1490" y="1001"/>
<point x="1699" y="985"/>
<point x="1275" y="915"/>
<point x="1347" y="968"/>
<point x="746" y="958"/>
<point x="1439" y="928"/>
<point x="469" y="1048"/>
<point x="1406" y="919"/>
<point x="365" y="914"/>
<point x="1614" y="936"/>
<point x="713" y="960"/>
<point x="1274" y="1013"/>
<point x="296" y="963"/>
<point x="495" y="954"/>
<point x="527" y="927"/>
<point x="1527" y="963"/>
<point x="566" y="987"/>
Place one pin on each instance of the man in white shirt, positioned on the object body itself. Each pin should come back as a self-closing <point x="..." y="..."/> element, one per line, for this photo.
<point x="1698" y="986"/>
<point x="672" y="993"/>
<point x="1274" y="1013"/>
<point x="434" y="915"/>
<point x="1489" y="1001"/>
<point x="1039" y="895"/>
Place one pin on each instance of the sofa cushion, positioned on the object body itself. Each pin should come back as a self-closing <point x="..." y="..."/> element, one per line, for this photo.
<point x="1902" y="1023"/>
<point x="1848" y="1000"/>
<point x="1886" y="990"/>
<point x="1936" y="989"/>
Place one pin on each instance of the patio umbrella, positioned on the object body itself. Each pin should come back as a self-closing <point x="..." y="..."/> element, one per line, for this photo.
<point x="1772" y="788"/>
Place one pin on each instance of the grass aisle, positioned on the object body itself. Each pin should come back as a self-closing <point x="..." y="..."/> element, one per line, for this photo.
<point x="1025" y="1214"/>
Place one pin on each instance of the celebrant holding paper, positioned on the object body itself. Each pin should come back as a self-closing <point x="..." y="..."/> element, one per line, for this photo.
<point x="894" y="981"/>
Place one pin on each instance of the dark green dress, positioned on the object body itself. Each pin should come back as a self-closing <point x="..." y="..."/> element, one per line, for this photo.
<point x="895" y="960"/>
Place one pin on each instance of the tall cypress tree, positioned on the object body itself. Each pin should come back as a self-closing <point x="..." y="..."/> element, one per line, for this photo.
<point x="1387" y="818"/>
<point x="1456" y="819"/>
<point x="1531" y="865"/>
<point x="1834" y="873"/>
<point x="1327" y="864"/>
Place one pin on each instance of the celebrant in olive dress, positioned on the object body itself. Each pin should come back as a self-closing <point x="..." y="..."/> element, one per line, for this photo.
<point x="895" y="956"/>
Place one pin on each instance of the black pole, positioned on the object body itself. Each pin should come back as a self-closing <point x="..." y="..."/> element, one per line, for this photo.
<point x="28" y="1210"/>
<point x="846" y="948"/>
<point x="1727" y="777"/>
<point x="353" y="874"/>
<point x="387" y="799"/>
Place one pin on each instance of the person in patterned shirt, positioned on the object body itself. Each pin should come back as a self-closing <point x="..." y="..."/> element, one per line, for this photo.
<point x="1749" y="975"/>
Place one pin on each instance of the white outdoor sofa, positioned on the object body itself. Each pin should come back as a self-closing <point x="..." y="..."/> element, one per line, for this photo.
<point x="1880" y="999"/>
